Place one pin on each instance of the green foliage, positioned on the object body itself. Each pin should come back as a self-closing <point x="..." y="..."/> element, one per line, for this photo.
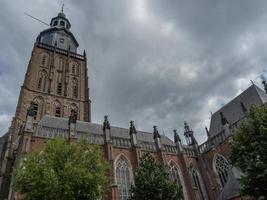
<point x="249" y="152"/>
<point x="152" y="182"/>
<point x="63" y="171"/>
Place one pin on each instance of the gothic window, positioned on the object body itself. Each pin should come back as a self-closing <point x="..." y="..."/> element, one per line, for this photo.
<point x="57" y="109"/>
<point x="221" y="167"/>
<point x="42" y="80"/>
<point x="74" y="107"/>
<point x="197" y="183"/>
<point x="37" y="106"/>
<point x="61" y="40"/>
<point x="123" y="178"/>
<point x="44" y="60"/>
<point x="35" y="110"/>
<point x="74" y="88"/>
<point x="40" y="83"/>
<point x="73" y="69"/>
<point x="174" y="175"/>
<point x="59" y="88"/>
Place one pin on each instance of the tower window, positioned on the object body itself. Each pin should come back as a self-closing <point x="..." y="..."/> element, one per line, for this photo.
<point x="58" y="112"/>
<point x="74" y="88"/>
<point x="43" y="60"/>
<point x="62" y="23"/>
<point x="59" y="88"/>
<point x="55" y="23"/>
<point x="61" y="40"/>
<point x="35" y="110"/>
<point x="75" y="91"/>
<point x="73" y="69"/>
<point x="40" y="83"/>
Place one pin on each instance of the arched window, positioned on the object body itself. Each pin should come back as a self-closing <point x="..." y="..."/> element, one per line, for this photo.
<point x="57" y="109"/>
<point x="74" y="88"/>
<point x="174" y="174"/>
<point x="221" y="167"/>
<point x="59" y="88"/>
<point x="38" y="107"/>
<point x="73" y="69"/>
<point x="198" y="183"/>
<point x="42" y="80"/>
<point x="74" y="107"/>
<point x="123" y="178"/>
<point x="43" y="60"/>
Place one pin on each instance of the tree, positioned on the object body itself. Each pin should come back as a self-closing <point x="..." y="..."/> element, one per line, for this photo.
<point x="152" y="182"/>
<point x="63" y="171"/>
<point x="249" y="153"/>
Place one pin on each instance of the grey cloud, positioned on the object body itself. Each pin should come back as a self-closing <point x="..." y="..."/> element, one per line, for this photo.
<point x="161" y="70"/>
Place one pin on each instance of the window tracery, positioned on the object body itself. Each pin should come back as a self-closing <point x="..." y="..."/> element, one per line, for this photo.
<point x="123" y="178"/>
<point x="221" y="167"/>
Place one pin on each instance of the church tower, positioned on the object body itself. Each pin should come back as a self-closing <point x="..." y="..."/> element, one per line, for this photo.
<point x="56" y="83"/>
<point x="56" y="80"/>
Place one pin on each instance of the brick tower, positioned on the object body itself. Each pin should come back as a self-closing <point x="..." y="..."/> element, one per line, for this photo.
<point x="55" y="83"/>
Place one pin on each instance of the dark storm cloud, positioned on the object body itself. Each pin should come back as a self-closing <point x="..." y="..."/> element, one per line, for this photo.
<point x="155" y="62"/>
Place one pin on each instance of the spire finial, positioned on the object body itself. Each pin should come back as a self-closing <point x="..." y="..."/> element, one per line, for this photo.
<point x="62" y="7"/>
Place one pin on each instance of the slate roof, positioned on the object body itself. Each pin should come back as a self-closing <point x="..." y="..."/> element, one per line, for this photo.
<point x="233" y="111"/>
<point x="93" y="128"/>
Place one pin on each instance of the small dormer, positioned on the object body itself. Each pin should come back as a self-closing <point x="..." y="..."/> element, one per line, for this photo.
<point x="60" y="21"/>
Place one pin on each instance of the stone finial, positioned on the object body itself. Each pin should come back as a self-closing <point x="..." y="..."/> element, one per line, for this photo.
<point x="223" y="119"/>
<point x="84" y="54"/>
<point x="156" y="132"/>
<point x="207" y="131"/>
<point x="176" y="136"/>
<point x="132" y="128"/>
<point x="106" y="124"/>
<point x="31" y="111"/>
<point x="264" y="85"/>
<point x="189" y="135"/>
<point x="72" y="117"/>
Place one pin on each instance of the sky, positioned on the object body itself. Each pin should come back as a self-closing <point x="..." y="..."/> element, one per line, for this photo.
<point x="156" y="62"/>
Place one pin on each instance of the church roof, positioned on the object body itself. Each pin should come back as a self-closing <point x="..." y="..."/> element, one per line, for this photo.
<point x="234" y="112"/>
<point x="97" y="129"/>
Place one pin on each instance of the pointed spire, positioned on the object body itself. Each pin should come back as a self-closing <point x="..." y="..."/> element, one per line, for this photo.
<point x="189" y="135"/>
<point x="106" y="124"/>
<point x="207" y="131"/>
<point x="132" y="128"/>
<point x="84" y="54"/>
<point x="156" y="132"/>
<point x="176" y="136"/>
<point x="62" y="7"/>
